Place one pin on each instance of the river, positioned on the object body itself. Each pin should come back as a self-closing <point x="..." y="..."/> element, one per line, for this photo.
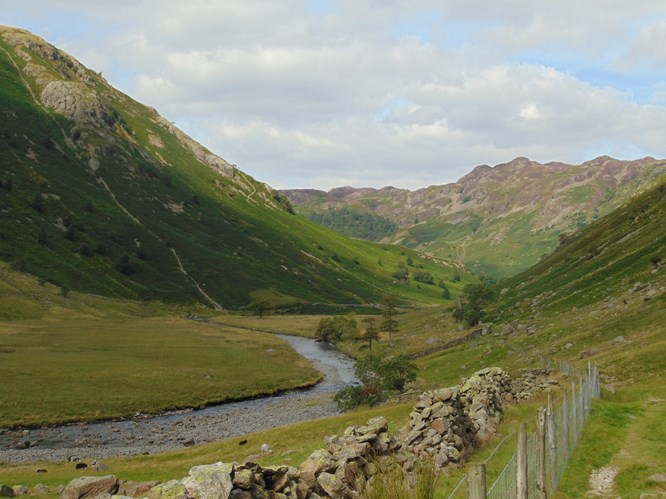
<point x="173" y="430"/>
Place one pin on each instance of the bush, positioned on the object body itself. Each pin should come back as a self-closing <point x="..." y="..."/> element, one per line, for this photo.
<point x="124" y="265"/>
<point x="333" y="329"/>
<point x="424" y="277"/>
<point x="380" y="378"/>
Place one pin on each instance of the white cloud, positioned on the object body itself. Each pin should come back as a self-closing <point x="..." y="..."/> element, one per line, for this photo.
<point x="372" y="92"/>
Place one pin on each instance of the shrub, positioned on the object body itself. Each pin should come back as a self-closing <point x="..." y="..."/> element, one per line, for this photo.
<point x="424" y="276"/>
<point x="380" y="378"/>
<point x="124" y="265"/>
<point x="333" y="329"/>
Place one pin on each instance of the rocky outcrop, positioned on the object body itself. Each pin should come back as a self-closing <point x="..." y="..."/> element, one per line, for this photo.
<point x="73" y="100"/>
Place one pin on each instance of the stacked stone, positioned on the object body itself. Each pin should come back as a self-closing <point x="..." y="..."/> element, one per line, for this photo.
<point x="438" y="430"/>
<point x="532" y="381"/>
<point x="338" y="471"/>
<point x="483" y="395"/>
<point x="349" y="460"/>
<point x="446" y="423"/>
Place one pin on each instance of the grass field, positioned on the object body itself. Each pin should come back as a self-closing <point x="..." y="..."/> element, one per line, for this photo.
<point x="85" y="369"/>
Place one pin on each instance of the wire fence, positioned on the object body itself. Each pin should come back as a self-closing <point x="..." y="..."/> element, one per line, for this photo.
<point x="538" y="463"/>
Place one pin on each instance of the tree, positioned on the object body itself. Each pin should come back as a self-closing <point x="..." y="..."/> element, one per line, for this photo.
<point x="259" y="308"/>
<point x="124" y="265"/>
<point x="401" y="273"/>
<point x="333" y="329"/>
<point x="446" y="294"/>
<point x="38" y="203"/>
<point x="371" y="332"/>
<point x="469" y="308"/>
<point x="424" y="276"/>
<point x="389" y="311"/>
<point x="42" y="240"/>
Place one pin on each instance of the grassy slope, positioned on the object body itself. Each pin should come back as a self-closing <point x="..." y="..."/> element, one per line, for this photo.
<point x="231" y="235"/>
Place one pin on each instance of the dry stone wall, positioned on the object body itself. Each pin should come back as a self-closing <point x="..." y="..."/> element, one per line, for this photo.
<point x="445" y="424"/>
<point x="443" y="427"/>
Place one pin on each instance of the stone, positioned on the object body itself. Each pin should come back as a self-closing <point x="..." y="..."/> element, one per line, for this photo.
<point x="275" y="477"/>
<point x="40" y="489"/>
<point x="20" y="490"/>
<point x="139" y="489"/>
<point x="319" y="460"/>
<point x="90" y="486"/>
<point x="443" y="394"/>
<point x="172" y="489"/>
<point x="348" y="472"/>
<point x="243" y="479"/>
<point x="332" y="485"/>
<point x="209" y="481"/>
<point x="6" y="491"/>
<point x="302" y="490"/>
<point x="439" y="425"/>
<point x="657" y="477"/>
<point x="266" y="449"/>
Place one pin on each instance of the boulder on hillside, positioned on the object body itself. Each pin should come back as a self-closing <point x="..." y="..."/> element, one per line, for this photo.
<point x="90" y="486"/>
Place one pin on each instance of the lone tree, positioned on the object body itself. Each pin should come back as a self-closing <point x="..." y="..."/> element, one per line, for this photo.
<point x="333" y="329"/>
<point x="389" y="311"/>
<point x="260" y="308"/>
<point x="371" y="332"/>
<point x="469" y="308"/>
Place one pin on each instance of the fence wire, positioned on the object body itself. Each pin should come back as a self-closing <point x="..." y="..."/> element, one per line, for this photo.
<point x="569" y="417"/>
<point x="505" y="485"/>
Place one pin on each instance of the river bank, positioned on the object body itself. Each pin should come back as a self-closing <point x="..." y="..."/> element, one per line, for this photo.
<point x="185" y="428"/>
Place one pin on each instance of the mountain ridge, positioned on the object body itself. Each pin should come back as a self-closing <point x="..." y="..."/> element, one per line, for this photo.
<point x="525" y="201"/>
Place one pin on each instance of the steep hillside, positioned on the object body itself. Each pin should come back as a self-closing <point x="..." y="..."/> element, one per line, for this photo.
<point x="498" y="220"/>
<point x="617" y="260"/>
<point x="100" y="194"/>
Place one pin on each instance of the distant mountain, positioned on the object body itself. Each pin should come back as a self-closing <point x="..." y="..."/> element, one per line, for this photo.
<point x="101" y="194"/>
<point x="498" y="220"/>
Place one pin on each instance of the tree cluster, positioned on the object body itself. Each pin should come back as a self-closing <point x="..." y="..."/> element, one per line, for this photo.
<point x="470" y="306"/>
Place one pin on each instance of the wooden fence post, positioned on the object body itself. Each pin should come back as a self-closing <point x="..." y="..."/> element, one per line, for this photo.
<point x="552" y="443"/>
<point x="574" y="415"/>
<point x="476" y="481"/>
<point x="521" y="462"/>
<point x="541" y="454"/>
<point x="565" y="425"/>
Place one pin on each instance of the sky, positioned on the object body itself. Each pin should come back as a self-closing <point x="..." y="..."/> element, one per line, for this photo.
<point x="370" y="93"/>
